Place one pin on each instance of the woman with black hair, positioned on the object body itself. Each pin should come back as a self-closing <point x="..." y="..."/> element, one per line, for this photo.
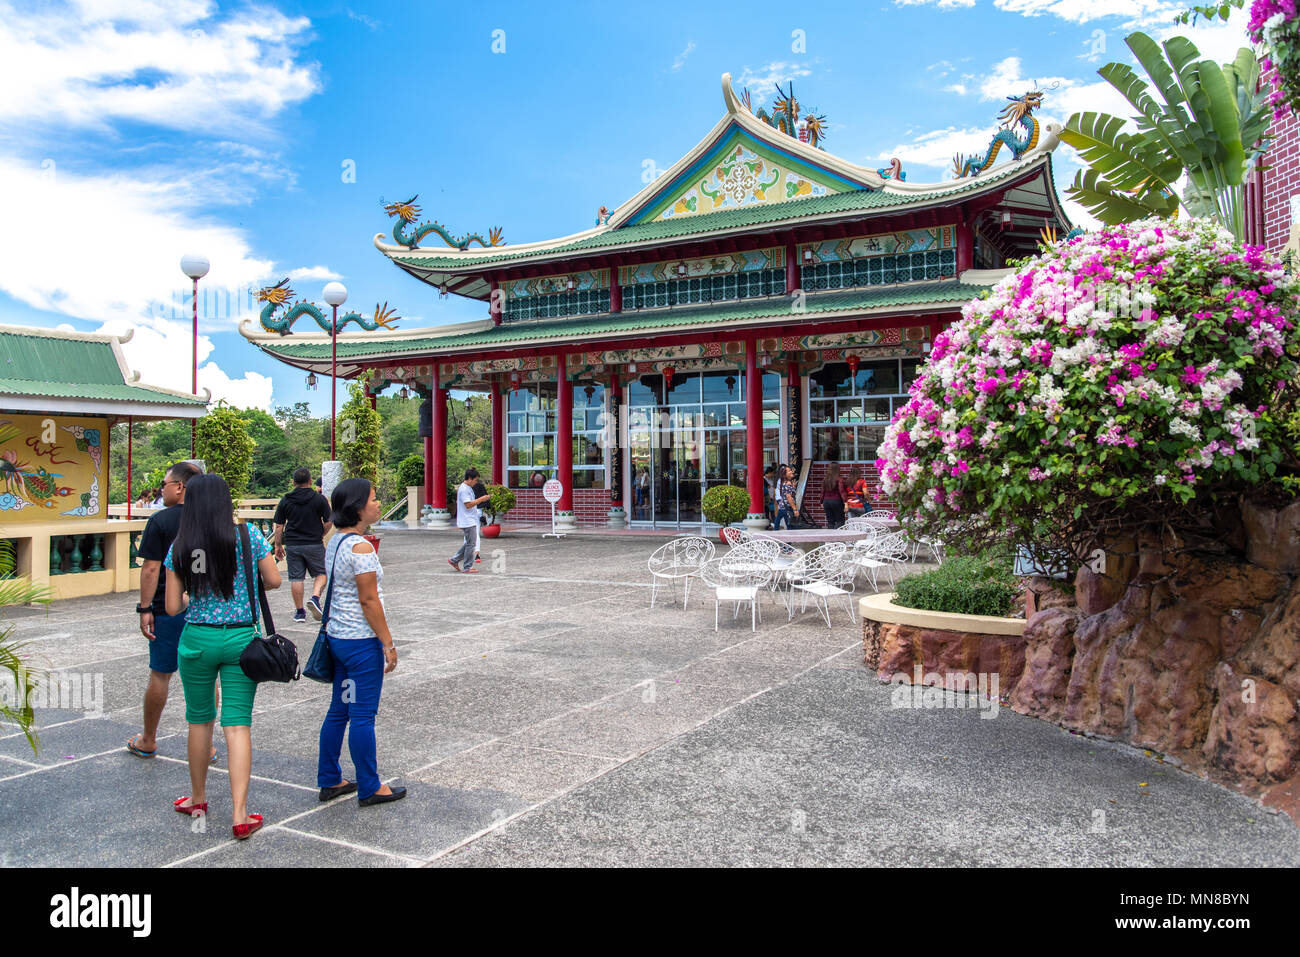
<point x="206" y="572"/>
<point x="360" y="644"/>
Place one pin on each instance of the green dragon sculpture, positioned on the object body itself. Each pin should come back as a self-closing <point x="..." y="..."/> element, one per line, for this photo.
<point x="1019" y="111"/>
<point x="279" y="294"/>
<point x="785" y="117"/>
<point x="408" y="212"/>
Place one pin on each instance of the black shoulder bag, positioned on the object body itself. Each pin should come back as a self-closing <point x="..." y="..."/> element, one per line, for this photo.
<point x="320" y="664"/>
<point x="273" y="658"/>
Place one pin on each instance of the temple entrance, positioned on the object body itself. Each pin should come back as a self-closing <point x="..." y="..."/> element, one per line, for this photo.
<point x="685" y="442"/>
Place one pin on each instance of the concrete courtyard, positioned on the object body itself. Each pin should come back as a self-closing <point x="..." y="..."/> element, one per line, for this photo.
<point x="542" y="714"/>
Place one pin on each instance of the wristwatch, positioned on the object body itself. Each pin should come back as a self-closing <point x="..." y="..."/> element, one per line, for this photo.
<point x="141" y="609"/>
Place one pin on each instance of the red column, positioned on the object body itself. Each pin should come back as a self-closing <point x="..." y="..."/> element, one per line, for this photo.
<point x="564" y="434"/>
<point x="792" y="277"/>
<point x="965" y="245"/>
<point x="753" y="428"/>
<point x="498" y="436"/>
<point x="615" y="291"/>
<point x="439" y="497"/>
<point x="428" y="470"/>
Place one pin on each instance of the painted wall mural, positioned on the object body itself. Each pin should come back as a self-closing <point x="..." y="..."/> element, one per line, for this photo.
<point x="722" y="264"/>
<point x="881" y="244"/>
<point x="743" y="177"/>
<point x="51" y="467"/>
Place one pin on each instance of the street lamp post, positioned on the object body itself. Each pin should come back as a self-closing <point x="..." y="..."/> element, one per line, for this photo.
<point x="335" y="294"/>
<point x="196" y="267"/>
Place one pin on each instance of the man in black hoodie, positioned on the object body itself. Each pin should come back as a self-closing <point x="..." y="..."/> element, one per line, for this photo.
<point x="302" y="520"/>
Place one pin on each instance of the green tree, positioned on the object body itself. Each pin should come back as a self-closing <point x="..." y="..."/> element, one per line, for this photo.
<point x="1211" y="126"/>
<point x="273" y="462"/>
<point x="360" y="429"/>
<point x="226" y="448"/>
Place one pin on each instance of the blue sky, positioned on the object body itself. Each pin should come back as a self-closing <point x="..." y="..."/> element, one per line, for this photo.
<point x="132" y="131"/>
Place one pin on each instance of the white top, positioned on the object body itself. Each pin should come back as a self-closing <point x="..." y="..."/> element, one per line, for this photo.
<point x="347" y="618"/>
<point x="466" y="515"/>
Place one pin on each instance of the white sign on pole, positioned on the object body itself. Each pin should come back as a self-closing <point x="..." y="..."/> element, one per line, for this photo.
<point x="552" y="491"/>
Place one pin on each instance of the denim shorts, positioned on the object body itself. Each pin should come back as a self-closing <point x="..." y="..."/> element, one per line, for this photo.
<point x="166" y="638"/>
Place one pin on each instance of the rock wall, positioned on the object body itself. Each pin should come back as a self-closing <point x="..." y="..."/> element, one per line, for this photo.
<point x="897" y="649"/>
<point x="1198" y="659"/>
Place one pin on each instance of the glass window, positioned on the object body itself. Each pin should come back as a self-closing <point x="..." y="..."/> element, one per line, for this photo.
<point x="877" y="410"/>
<point x="911" y="369"/>
<point x="771" y="386"/>
<point x="520" y="450"/>
<point x="821" y="410"/>
<point x="515" y="422"/>
<point x="685" y="389"/>
<point x="646" y="390"/>
<point x="722" y="387"/>
<point x="737" y="413"/>
<point x="883" y="378"/>
<point x="544" y="450"/>
<point x="830" y="380"/>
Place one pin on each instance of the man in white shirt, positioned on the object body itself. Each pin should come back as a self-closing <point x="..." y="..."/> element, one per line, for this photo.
<point x="467" y="516"/>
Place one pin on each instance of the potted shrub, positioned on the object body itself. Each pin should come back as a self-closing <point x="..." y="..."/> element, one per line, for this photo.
<point x="500" y="501"/>
<point x="725" y="505"/>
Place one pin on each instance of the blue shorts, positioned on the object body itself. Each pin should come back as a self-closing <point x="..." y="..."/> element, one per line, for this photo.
<point x="166" y="639"/>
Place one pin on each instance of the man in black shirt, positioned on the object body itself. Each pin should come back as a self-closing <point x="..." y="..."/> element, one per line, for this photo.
<point x="162" y="630"/>
<point x="302" y="520"/>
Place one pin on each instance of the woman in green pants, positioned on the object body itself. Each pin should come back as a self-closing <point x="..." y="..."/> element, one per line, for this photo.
<point x="205" y="571"/>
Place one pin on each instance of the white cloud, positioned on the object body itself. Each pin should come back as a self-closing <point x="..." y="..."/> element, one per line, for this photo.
<point x="1062" y="96"/>
<point x="370" y="22"/>
<point x="958" y="88"/>
<point x="680" y="60"/>
<point x="169" y="64"/>
<point x="313" y="272"/>
<point x="162" y="352"/>
<point x="939" y="3"/>
<point x="936" y="149"/>
<point x="1084" y="11"/>
<point x="762" y="82"/>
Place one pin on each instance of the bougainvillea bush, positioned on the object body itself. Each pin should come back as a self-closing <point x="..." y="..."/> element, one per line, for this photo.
<point x="1125" y="377"/>
<point x="1275" y="25"/>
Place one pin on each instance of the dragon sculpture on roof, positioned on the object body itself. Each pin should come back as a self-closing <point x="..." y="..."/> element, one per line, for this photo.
<point x="785" y="116"/>
<point x="1020" y="111"/>
<point x="280" y="294"/>
<point x="408" y="212"/>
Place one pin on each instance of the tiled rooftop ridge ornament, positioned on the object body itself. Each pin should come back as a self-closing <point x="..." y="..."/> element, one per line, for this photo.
<point x="1018" y="112"/>
<point x="407" y="212"/>
<point x="279" y="294"/>
<point x="785" y="117"/>
<point x="893" y="171"/>
<point x="602" y="216"/>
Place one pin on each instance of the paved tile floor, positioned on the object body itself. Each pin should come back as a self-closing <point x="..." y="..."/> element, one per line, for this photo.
<point x="543" y="714"/>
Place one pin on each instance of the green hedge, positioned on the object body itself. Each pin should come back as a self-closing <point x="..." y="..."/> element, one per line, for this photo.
<point x="973" y="585"/>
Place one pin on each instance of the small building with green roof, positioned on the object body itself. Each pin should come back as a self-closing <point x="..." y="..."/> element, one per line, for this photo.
<point x="60" y="395"/>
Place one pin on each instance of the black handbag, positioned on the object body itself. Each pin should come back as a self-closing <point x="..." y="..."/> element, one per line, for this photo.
<point x="270" y="658"/>
<point x="320" y="663"/>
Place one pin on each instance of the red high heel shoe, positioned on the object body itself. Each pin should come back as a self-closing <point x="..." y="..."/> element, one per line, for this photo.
<point x="242" y="831"/>
<point x="192" y="809"/>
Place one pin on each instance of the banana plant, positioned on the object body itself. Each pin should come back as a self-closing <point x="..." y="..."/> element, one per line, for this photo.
<point x="17" y="591"/>
<point x="1209" y="125"/>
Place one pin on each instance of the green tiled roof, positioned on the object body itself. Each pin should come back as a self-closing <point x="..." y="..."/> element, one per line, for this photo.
<point x="575" y="329"/>
<point x="722" y="221"/>
<point x="71" y="368"/>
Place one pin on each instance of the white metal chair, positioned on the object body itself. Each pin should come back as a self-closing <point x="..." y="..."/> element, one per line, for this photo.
<point x="733" y="536"/>
<point x="809" y="567"/>
<point x="678" y="560"/>
<point x="757" y="554"/>
<point x="735" y="582"/>
<point x="885" y="552"/>
<point x="825" y="572"/>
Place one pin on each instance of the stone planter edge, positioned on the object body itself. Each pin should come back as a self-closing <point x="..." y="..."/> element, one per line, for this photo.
<point x="881" y="607"/>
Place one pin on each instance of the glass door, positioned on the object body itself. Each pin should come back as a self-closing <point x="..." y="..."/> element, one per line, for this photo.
<point x="690" y="474"/>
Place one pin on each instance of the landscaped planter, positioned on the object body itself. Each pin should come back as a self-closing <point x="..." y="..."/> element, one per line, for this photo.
<point x="491" y="531"/>
<point x="898" y="641"/>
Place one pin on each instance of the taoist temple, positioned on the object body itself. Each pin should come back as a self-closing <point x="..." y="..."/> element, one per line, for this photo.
<point x="762" y="301"/>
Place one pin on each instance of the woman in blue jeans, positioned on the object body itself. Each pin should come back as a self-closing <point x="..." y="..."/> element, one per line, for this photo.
<point x="360" y="644"/>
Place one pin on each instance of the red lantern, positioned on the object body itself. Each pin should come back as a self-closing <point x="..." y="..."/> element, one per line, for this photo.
<point x="853" y="362"/>
<point x="514" y="381"/>
<point x="668" y="376"/>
